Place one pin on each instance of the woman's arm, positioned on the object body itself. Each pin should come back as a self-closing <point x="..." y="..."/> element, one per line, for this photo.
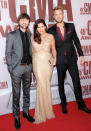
<point x="53" y="49"/>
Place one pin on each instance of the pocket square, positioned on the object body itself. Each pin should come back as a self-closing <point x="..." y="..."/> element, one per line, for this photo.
<point x="69" y="32"/>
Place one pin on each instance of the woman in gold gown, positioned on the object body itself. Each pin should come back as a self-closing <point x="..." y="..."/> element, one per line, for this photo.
<point x="44" y="58"/>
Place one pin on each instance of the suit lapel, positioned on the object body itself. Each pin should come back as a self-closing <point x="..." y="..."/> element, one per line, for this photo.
<point x="30" y="48"/>
<point x="29" y="37"/>
<point x="19" y="40"/>
<point x="57" y="34"/>
<point x="18" y="36"/>
<point x="68" y="30"/>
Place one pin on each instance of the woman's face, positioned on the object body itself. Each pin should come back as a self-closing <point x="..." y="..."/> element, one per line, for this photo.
<point x="41" y="28"/>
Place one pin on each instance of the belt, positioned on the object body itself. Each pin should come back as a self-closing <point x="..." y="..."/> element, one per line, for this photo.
<point x="25" y="64"/>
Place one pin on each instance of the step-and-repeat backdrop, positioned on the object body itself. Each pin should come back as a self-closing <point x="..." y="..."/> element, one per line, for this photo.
<point x="77" y="12"/>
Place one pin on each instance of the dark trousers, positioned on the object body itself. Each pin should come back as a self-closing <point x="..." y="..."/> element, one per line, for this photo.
<point x="22" y="74"/>
<point x="62" y="67"/>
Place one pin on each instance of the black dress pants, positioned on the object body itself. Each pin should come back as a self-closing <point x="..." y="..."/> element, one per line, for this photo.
<point x="72" y="67"/>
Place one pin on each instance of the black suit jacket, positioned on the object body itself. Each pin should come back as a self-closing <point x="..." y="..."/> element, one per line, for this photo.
<point x="66" y="48"/>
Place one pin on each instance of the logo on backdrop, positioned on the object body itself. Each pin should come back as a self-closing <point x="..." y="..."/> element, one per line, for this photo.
<point x="89" y="27"/>
<point x="85" y="72"/>
<point x="86" y="32"/>
<point x="85" y="76"/>
<point x="86" y="90"/>
<point x="4" y="60"/>
<point x="3" y="85"/>
<point x="86" y="9"/>
<point x="40" y="9"/>
<point x="86" y="50"/>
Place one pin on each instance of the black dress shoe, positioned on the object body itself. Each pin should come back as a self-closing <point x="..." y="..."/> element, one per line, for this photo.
<point x="17" y="123"/>
<point x="64" y="109"/>
<point x="85" y="109"/>
<point x="28" y="117"/>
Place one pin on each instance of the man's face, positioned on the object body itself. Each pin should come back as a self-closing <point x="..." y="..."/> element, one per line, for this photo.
<point x="24" y="23"/>
<point x="58" y="16"/>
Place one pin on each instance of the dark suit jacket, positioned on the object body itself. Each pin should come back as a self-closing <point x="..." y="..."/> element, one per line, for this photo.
<point x="14" y="49"/>
<point x="66" y="48"/>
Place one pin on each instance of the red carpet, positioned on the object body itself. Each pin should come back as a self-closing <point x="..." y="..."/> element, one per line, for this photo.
<point x="75" y="120"/>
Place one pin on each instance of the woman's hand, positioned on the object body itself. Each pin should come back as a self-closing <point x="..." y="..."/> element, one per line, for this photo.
<point x="54" y="62"/>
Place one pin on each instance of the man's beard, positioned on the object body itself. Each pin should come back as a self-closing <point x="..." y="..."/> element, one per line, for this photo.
<point x="23" y="27"/>
<point x="59" y="21"/>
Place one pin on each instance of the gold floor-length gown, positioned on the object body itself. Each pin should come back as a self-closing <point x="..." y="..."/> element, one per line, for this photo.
<point x="43" y="73"/>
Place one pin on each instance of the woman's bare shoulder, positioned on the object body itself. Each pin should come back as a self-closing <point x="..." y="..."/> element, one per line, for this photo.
<point x="50" y="36"/>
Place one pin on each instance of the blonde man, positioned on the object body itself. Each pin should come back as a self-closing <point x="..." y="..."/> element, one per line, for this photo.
<point x="65" y="39"/>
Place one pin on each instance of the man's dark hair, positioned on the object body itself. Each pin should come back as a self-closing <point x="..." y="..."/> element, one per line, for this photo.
<point x="22" y="16"/>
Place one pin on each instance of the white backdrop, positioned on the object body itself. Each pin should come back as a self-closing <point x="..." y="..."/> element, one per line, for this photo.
<point x="77" y="12"/>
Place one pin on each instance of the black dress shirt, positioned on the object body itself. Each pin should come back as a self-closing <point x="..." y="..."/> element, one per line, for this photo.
<point x="26" y="45"/>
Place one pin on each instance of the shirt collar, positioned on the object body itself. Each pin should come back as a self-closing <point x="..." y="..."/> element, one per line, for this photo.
<point x="23" y="33"/>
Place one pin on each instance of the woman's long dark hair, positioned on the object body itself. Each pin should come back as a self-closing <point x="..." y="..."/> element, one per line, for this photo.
<point x="37" y="37"/>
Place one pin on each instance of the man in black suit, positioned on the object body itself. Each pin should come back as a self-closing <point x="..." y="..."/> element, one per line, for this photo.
<point x="66" y="40"/>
